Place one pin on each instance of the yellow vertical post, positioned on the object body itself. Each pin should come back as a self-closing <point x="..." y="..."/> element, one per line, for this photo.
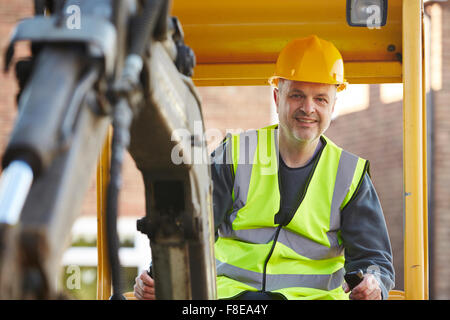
<point x="103" y="272"/>
<point x="413" y="150"/>
<point x="425" y="162"/>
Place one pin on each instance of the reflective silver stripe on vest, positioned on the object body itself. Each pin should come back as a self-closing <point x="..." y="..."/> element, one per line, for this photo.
<point x="281" y="281"/>
<point x="248" y="142"/>
<point x="344" y="178"/>
<point x="301" y="245"/>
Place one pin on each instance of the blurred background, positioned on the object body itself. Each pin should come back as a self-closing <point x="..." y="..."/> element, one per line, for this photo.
<point x="367" y="121"/>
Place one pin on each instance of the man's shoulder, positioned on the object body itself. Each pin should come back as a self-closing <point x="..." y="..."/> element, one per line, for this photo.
<point x="331" y="143"/>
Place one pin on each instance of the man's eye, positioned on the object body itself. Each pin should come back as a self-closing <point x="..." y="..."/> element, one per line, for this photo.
<point x="321" y="100"/>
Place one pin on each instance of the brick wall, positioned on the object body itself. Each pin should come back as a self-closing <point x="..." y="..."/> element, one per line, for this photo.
<point x="10" y="13"/>
<point x="234" y="108"/>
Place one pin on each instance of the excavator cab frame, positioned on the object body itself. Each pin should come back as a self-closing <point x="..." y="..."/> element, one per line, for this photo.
<point x="237" y="43"/>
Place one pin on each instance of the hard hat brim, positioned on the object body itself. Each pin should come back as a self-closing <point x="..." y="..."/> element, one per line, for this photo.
<point x="273" y="81"/>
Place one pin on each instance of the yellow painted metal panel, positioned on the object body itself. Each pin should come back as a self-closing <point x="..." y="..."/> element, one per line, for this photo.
<point x="236" y="32"/>
<point x="258" y="73"/>
<point x="374" y="72"/>
<point x="103" y="272"/>
<point x="413" y="151"/>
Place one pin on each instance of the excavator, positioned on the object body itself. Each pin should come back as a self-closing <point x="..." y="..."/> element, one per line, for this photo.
<point x="109" y="75"/>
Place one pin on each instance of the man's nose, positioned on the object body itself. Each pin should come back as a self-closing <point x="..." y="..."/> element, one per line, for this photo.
<point x="308" y="106"/>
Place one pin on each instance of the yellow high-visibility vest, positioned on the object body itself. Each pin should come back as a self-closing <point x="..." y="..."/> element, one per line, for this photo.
<point x="302" y="259"/>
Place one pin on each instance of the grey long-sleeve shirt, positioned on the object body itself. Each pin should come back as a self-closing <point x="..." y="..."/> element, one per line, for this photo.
<point x="363" y="227"/>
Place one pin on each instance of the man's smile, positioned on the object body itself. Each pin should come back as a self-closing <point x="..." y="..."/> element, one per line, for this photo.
<point x="305" y="120"/>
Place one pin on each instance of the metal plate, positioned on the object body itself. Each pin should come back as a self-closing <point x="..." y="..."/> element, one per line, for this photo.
<point x="237" y="42"/>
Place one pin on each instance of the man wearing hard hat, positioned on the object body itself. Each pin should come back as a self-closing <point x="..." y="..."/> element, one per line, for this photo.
<point x="293" y="211"/>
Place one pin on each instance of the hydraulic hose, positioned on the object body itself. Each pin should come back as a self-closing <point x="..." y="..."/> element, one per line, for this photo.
<point x="120" y="141"/>
<point x="144" y="26"/>
<point x="122" y="116"/>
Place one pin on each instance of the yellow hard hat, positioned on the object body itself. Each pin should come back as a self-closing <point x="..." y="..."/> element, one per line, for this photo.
<point x="310" y="59"/>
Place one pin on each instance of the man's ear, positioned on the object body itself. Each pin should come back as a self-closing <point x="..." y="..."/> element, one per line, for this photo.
<point x="276" y="96"/>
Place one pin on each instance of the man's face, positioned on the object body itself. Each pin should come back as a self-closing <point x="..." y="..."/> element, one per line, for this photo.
<point x="304" y="108"/>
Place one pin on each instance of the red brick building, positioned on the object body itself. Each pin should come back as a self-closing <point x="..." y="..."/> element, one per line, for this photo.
<point x="374" y="132"/>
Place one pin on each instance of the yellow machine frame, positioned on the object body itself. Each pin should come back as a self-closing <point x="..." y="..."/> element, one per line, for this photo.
<point x="239" y="46"/>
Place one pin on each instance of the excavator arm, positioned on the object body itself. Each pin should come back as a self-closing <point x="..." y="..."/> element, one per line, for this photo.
<point x="125" y="64"/>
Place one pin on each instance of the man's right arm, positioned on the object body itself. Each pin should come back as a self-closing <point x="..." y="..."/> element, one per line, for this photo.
<point x="365" y="236"/>
<point x="222" y="179"/>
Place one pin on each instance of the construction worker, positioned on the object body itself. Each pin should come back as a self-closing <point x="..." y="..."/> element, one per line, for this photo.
<point x="294" y="212"/>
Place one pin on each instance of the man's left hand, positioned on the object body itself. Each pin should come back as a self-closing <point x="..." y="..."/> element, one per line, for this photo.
<point x="368" y="289"/>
